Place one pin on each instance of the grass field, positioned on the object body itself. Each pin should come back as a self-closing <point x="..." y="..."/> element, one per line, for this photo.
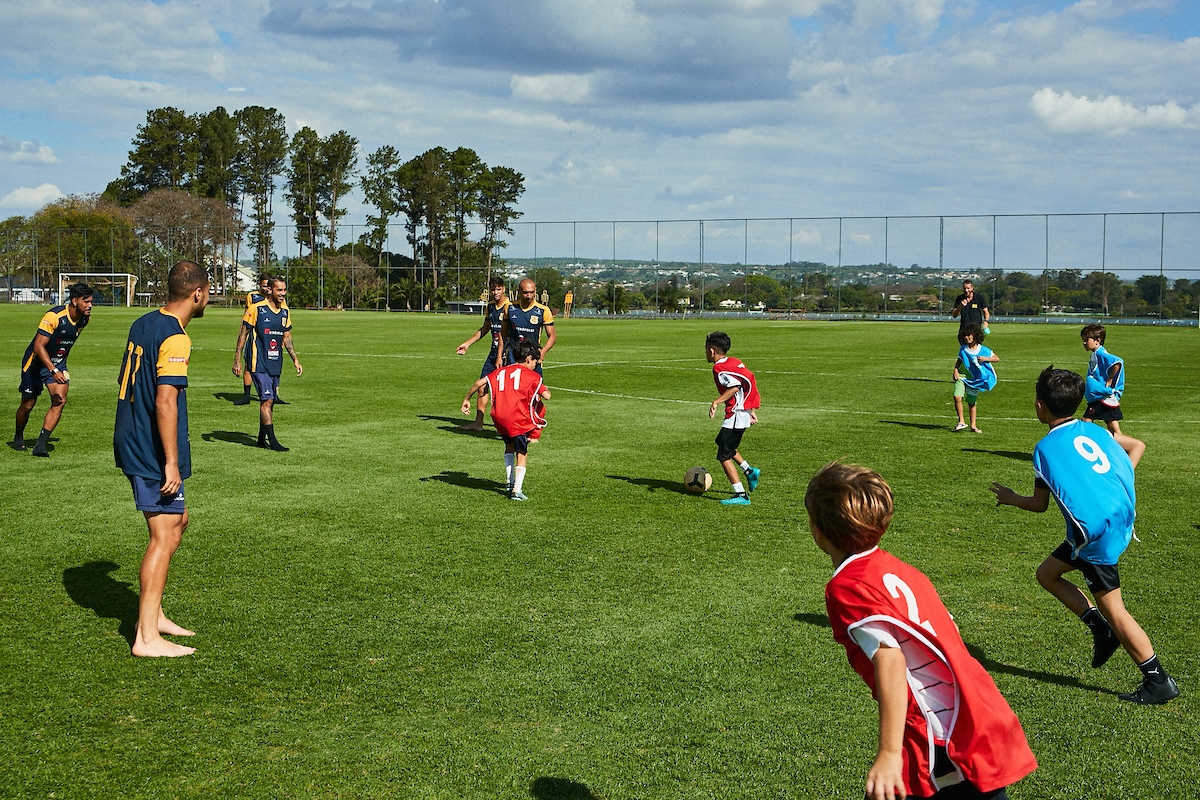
<point x="376" y="620"/>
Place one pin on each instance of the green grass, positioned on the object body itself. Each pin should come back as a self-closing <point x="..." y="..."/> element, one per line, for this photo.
<point x="376" y="620"/>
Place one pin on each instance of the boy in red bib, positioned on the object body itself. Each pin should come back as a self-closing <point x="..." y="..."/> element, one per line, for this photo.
<point x="738" y="390"/>
<point x="945" y="730"/>
<point x="515" y="392"/>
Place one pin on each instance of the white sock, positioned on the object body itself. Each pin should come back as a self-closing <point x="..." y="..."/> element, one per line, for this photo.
<point x="745" y="465"/>
<point x="738" y="488"/>
<point x="518" y="478"/>
<point x="510" y="460"/>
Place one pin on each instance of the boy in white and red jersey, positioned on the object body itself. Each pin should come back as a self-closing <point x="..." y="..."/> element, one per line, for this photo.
<point x="515" y="392"/>
<point x="945" y="730"/>
<point x="737" y="389"/>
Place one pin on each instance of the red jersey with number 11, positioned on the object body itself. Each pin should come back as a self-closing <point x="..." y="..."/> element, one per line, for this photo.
<point x="515" y="406"/>
<point x="952" y="701"/>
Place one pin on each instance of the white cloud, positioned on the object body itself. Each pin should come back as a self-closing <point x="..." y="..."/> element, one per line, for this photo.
<point x="31" y="199"/>
<point x="551" y="88"/>
<point x="16" y="152"/>
<point x="1067" y="113"/>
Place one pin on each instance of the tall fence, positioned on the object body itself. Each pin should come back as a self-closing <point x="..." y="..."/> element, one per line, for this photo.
<point x="1128" y="264"/>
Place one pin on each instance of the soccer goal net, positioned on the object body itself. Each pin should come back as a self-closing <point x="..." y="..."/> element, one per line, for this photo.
<point x="111" y="288"/>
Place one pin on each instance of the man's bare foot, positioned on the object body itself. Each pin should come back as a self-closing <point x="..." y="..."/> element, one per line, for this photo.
<point x="168" y="628"/>
<point x="471" y="426"/>
<point x="160" y="648"/>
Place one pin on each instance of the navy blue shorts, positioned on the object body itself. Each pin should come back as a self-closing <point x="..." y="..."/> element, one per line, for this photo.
<point x="36" y="379"/>
<point x="520" y="444"/>
<point x="267" y="386"/>
<point x="489" y="366"/>
<point x="1102" y="413"/>
<point x="148" y="496"/>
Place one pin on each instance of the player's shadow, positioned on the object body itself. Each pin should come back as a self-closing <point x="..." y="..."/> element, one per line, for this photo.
<point x="547" y="788"/>
<point x="819" y="620"/>
<point x="228" y="397"/>
<point x="652" y="484"/>
<point x="455" y="426"/>
<point x="925" y="426"/>
<point x="992" y="665"/>
<point x="50" y="448"/>
<point x="233" y="437"/>
<point x="1013" y="454"/>
<point x="467" y="482"/>
<point x="90" y="586"/>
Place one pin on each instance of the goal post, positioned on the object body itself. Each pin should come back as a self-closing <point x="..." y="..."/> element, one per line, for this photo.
<point x="102" y="282"/>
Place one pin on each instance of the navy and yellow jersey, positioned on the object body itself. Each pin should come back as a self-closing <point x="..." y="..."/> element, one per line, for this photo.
<point x="527" y="324"/>
<point x="254" y="297"/>
<point x="57" y="327"/>
<point x="157" y="353"/>
<point x="495" y="321"/>
<point x="266" y="329"/>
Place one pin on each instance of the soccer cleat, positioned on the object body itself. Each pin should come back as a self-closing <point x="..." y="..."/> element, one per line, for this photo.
<point x="736" y="500"/>
<point x="1103" y="646"/>
<point x="1153" y="694"/>
<point x="40" y="452"/>
<point x="962" y="426"/>
<point x="752" y="477"/>
<point x="517" y="496"/>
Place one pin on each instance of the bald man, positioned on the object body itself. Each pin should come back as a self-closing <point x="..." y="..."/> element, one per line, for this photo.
<point x="525" y="321"/>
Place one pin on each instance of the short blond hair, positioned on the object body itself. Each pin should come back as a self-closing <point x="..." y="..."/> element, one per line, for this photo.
<point x="850" y="505"/>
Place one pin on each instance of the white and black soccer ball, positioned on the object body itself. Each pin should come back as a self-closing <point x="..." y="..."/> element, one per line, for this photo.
<point x="697" y="480"/>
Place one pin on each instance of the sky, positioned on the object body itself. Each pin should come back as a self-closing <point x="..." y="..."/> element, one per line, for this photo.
<point x="646" y="109"/>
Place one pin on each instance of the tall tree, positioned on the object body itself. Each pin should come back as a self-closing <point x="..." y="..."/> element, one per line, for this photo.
<point x="464" y="170"/>
<point x="303" y="180"/>
<point x="216" y="156"/>
<point x="379" y="189"/>
<point x="499" y="190"/>
<point x="434" y="189"/>
<point x="263" y="142"/>
<point x="163" y="155"/>
<point x="339" y="161"/>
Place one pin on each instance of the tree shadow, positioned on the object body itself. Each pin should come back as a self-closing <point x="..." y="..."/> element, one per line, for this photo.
<point x="90" y="586"/>
<point x="547" y="788"/>
<point x="233" y="437"/>
<point x="820" y="620"/>
<point x="653" y="484"/>
<point x="455" y="426"/>
<point x="1013" y="454"/>
<point x="925" y="426"/>
<point x="992" y="665"/>
<point x="467" y="482"/>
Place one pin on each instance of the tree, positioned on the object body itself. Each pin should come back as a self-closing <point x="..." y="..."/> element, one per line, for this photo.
<point x="339" y="160"/>
<point x="163" y="155"/>
<point x="80" y="232"/>
<point x="463" y="173"/>
<point x="174" y="225"/>
<point x="262" y="140"/>
<point x="379" y="189"/>
<point x="549" y="280"/>
<point x="216" y="157"/>
<point x="302" y="181"/>
<point x="499" y="190"/>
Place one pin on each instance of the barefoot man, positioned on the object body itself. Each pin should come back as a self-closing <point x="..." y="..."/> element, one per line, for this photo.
<point x="493" y="321"/>
<point x="150" y="442"/>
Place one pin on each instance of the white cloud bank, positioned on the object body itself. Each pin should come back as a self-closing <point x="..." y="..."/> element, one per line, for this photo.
<point x="31" y="199"/>
<point x="1066" y="113"/>
<point x="16" y="152"/>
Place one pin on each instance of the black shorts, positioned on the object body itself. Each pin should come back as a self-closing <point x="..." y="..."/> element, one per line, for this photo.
<point x="727" y="442"/>
<point x="1099" y="577"/>
<point x="1102" y="413"/>
<point x="520" y="444"/>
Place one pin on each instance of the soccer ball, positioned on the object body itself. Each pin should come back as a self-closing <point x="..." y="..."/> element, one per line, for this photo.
<point x="697" y="480"/>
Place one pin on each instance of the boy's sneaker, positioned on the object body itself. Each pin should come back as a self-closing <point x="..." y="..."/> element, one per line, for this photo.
<point x="737" y="500"/>
<point x="1153" y="694"/>
<point x="517" y="496"/>
<point x="508" y="490"/>
<point x="1103" y="646"/>
<point x="752" y="478"/>
<point x="962" y="426"/>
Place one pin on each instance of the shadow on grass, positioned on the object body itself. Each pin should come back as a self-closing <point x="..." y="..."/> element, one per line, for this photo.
<point x="455" y="426"/>
<point x="925" y="426"/>
<point x="1032" y="674"/>
<point x="230" y="397"/>
<point x="652" y="484"/>
<point x="233" y="437"/>
<point x="50" y="448"/>
<point x="467" y="482"/>
<point x="820" y="620"/>
<point x="546" y="788"/>
<point x="919" y="380"/>
<point x="91" y="587"/>
<point x="1013" y="454"/>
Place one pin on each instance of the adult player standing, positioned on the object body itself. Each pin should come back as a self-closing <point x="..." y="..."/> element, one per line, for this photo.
<point x="268" y="326"/>
<point x="493" y="323"/>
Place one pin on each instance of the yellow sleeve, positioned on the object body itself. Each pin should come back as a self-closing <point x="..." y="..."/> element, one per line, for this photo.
<point x="49" y="323"/>
<point x="249" y="300"/>
<point x="251" y="315"/>
<point x="173" y="355"/>
<point x="547" y="316"/>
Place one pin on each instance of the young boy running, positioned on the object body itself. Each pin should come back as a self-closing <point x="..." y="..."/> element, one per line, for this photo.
<point x="1103" y="389"/>
<point x="738" y="390"/>
<point x="1091" y="479"/>
<point x="973" y="373"/>
<point x="945" y="730"/>
<point x="515" y="391"/>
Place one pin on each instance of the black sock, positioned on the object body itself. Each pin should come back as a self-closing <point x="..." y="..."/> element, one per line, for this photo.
<point x="245" y="390"/>
<point x="262" y="435"/>
<point x="1096" y="623"/>
<point x="43" y="437"/>
<point x="272" y="442"/>
<point x="1152" y="671"/>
